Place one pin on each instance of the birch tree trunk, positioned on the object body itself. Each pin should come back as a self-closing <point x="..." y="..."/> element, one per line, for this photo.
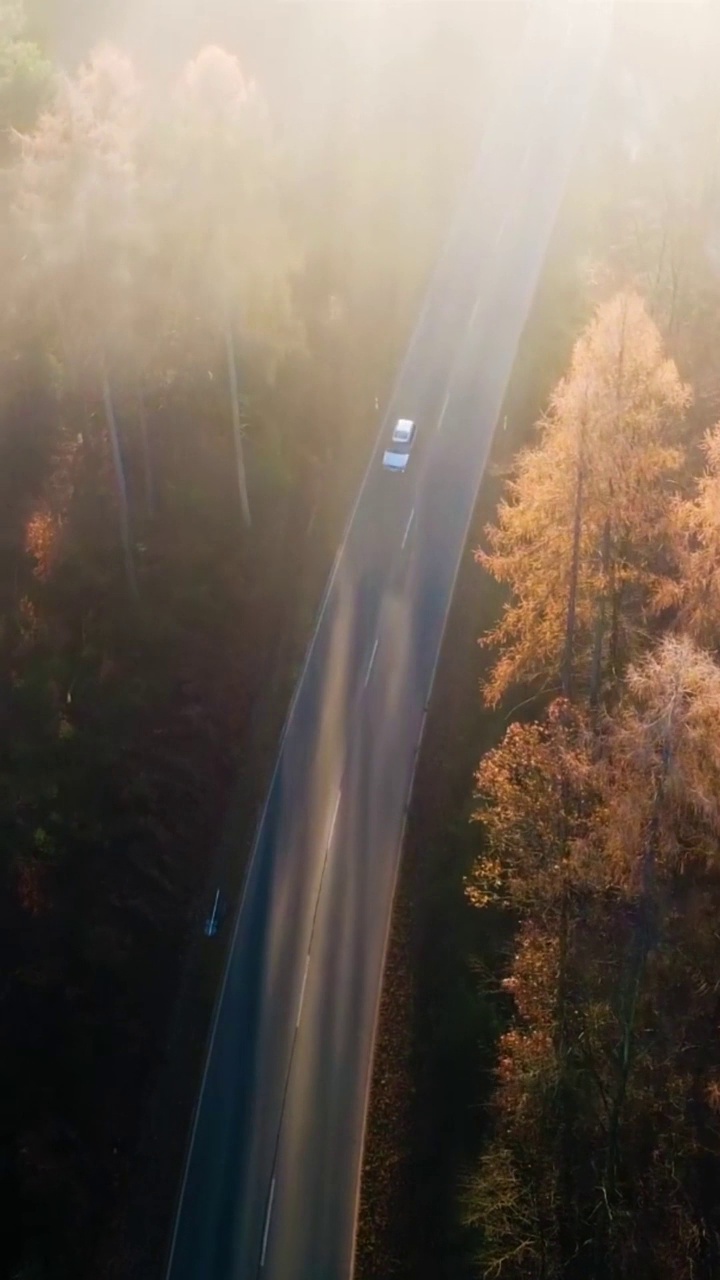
<point x="237" y="425"/>
<point x="601" y="621"/>
<point x="120" y="483"/>
<point x="566" y="670"/>
<point x="149" y="479"/>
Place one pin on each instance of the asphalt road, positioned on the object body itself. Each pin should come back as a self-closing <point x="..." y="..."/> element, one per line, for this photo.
<point x="271" y="1184"/>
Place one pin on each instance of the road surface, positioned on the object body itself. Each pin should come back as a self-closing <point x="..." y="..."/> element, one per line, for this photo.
<point x="270" y="1188"/>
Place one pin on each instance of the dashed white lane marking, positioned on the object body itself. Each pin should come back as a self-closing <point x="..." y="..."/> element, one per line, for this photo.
<point x="407" y="527"/>
<point x="334" y="817"/>
<point x="443" y="411"/>
<point x="302" y="993"/>
<point x="370" y="663"/>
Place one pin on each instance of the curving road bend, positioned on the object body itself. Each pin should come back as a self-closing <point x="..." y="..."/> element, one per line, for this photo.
<point x="270" y="1187"/>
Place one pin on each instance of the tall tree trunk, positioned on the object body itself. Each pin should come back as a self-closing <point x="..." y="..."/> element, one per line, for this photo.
<point x="120" y="483"/>
<point x="78" y="405"/>
<point x="675" y="277"/>
<point x="644" y="941"/>
<point x="601" y="620"/>
<point x="616" y="595"/>
<point x="567" y="1232"/>
<point x="704" y="1130"/>
<point x="149" y="479"/>
<point x="567" y="661"/>
<point x="570" y="1242"/>
<point x="237" y="425"/>
<point x="661" y="264"/>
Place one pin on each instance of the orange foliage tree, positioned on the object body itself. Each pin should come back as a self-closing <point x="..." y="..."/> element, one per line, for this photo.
<point x="537" y="795"/>
<point x="605" y="1106"/>
<point x="576" y="539"/>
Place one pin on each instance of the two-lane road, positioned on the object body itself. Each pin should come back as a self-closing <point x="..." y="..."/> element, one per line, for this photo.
<point x="270" y="1187"/>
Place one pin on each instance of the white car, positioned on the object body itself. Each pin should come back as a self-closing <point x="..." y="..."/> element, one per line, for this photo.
<point x="397" y="457"/>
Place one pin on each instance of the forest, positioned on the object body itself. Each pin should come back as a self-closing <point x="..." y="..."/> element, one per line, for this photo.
<point x="600" y="825"/>
<point x="597" y="813"/>
<point x="209" y="275"/>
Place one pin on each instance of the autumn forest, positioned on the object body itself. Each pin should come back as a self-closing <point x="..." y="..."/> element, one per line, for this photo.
<point x="208" y="280"/>
<point x="600" y="824"/>
<point x="598" y="811"/>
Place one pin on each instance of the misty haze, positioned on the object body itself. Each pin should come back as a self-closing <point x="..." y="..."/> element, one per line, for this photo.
<point x="360" y="640"/>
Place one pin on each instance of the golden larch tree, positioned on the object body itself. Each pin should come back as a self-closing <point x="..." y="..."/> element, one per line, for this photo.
<point x="577" y="536"/>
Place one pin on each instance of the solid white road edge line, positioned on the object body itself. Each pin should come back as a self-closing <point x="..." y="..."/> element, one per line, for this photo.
<point x="302" y="993"/>
<point x="411" y="517"/>
<point x="372" y="659"/>
<point x="334" y="817"/>
<point x="267" y="1223"/>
